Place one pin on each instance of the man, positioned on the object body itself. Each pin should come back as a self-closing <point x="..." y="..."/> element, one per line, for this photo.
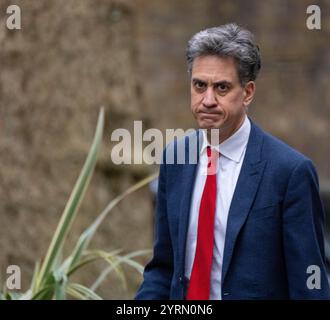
<point x="252" y="228"/>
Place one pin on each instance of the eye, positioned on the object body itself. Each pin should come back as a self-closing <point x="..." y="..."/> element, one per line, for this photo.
<point x="222" y="87"/>
<point x="199" y="85"/>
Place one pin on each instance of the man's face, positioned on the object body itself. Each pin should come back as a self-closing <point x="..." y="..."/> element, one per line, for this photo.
<point x="218" y="100"/>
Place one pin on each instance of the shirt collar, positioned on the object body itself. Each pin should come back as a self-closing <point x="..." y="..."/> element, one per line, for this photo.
<point x="233" y="147"/>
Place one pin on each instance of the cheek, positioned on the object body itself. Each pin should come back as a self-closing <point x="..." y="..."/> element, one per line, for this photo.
<point x="233" y="104"/>
<point x="195" y="101"/>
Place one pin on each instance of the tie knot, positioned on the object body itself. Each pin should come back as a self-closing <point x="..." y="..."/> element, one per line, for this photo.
<point x="208" y="150"/>
<point x="212" y="156"/>
<point x="212" y="153"/>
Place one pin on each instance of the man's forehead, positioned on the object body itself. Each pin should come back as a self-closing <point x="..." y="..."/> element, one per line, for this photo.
<point x="214" y="68"/>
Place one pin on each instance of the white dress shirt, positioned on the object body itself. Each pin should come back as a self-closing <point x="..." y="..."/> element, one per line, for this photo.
<point x="232" y="153"/>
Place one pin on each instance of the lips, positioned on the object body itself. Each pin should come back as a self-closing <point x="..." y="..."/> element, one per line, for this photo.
<point x="208" y="114"/>
<point x="209" y="111"/>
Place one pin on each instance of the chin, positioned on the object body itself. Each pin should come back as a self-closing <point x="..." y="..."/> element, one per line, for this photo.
<point x="208" y="125"/>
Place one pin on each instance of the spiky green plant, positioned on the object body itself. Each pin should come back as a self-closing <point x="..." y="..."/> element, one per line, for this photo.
<point x="51" y="278"/>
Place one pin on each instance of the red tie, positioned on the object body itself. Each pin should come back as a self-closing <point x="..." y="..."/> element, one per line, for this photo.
<point x="200" y="279"/>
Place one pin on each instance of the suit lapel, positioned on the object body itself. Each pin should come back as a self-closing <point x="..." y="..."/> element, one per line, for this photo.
<point x="245" y="191"/>
<point x="188" y="179"/>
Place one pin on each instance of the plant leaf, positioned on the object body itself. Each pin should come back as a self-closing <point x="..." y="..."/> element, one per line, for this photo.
<point x="125" y="259"/>
<point x="89" y="257"/>
<point x="87" y="235"/>
<point x="46" y="293"/>
<point x="33" y="285"/>
<point x="73" y="203"/>
<point x="79" y="291"/>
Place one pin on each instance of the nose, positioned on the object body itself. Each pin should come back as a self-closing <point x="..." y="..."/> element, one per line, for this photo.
<point x="209" y="98"/>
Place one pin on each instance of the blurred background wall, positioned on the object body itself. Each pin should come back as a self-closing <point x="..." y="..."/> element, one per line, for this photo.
<point x="72" y="56"/>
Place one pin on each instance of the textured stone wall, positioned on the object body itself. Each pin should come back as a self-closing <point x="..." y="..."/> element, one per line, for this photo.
<point x="69" y="58"/>
<point x="72" y="56"/>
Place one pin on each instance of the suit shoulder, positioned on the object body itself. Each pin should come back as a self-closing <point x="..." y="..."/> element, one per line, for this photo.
<point x="282" y="153"/>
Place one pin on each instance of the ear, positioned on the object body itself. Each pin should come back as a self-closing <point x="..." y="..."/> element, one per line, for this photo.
<point x="249" y="91"/>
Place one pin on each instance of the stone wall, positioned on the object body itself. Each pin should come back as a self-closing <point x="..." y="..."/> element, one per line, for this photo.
<point x="72" y="56"/>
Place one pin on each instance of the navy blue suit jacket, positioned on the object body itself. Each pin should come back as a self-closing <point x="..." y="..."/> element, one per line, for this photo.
<point x="274" y="229"/>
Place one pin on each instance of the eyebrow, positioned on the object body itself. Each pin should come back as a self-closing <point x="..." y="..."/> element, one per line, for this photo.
<point x="214" y="83"/>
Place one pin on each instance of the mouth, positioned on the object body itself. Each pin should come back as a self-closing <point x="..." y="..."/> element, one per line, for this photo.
<point x="211" y="115"/>
<point x="209" y="111"/>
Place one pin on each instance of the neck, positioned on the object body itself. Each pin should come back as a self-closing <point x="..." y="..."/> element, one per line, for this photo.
<point x="217" y="136"/>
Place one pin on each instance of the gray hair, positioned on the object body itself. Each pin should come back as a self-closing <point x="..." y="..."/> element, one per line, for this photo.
<point x="228" y="40"/>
